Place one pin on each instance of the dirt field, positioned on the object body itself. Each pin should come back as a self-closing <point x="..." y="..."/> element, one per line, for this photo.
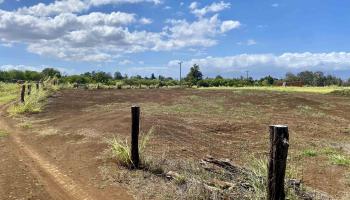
<point x="60" y="153"/>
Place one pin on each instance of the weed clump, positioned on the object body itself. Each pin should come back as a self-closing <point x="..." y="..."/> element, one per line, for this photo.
<point x="309" y="153"/>
<point x="340" y="160"/>
<point x="121" y="150"/>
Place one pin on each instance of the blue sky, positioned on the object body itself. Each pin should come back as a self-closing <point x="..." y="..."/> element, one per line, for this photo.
<point x="145" y="36"/>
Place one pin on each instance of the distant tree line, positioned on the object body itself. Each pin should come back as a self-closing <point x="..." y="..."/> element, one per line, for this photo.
<point x="193" y="78"/>
<point x="27" y="75"/>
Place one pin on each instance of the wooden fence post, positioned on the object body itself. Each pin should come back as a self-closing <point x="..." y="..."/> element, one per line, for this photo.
<point x="29" y="89"/>
<point x="23" y="92"/>
<point x="37" y="86"/>
<point x="135" y="130"/>
<point x="279" y="139"/>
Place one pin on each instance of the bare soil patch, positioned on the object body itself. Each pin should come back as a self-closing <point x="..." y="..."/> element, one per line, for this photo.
<point x="72" y="131"/>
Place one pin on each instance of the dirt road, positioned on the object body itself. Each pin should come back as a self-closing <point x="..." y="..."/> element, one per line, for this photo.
<point x="26" y="174"/>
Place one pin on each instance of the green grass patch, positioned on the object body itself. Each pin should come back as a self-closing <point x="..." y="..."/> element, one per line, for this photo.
<point x="3" y="133"/>
<point x="335" y="156"/>
<point x="26" y="125"/>
<point x="329" y="151"/>
<point x="309" y="153"/>
<point x="319" y="90"/>
<point x="343" y="92"/>
<point x="8" y="92"/>
<point x="338" y="159"/>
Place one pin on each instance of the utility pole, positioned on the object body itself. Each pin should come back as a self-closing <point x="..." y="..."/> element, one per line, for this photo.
<point x="247" y="74"/>
<point x="180" y="63"/>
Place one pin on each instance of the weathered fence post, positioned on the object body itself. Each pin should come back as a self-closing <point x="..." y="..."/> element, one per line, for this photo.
<point x="29" y="89"/>
<point x="37" y="85"/>
<point x="23" y="92"/>
<point x="279" y="139"/>
<point x="135" y="130"/>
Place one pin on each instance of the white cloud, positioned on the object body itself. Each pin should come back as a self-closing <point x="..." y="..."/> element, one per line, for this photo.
<point x="198" y="33"/>
<point x="213" y="8"/>
<point x="193" y="5"/>
<point x="125" y="62"/>
<point x="73" y="6"/>
<point x="275" y="5"/>
<point x="61" y="33"/>
<point x="2" y="1"/>
<point x="229" y="25"/>
<point x="286" y="61"/>
<point x="144" y="20"/>
<point x="249" y="42"/>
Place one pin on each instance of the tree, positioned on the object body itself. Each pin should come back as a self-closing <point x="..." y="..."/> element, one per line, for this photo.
<point x="161" y="78"/>
<point x="290" y="77"/>
<point x="194" y="75"/>
<point x="118" y="76"/>
<point x="307" y="77"/>
<point x="152" y="76"/>
<point x="319" y="79"/>
<point x="101" y="77"/>
<point x="268" y="80"/>
<point x="51" y="72"/>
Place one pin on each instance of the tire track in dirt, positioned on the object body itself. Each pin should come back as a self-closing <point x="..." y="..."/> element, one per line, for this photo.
<point x="57" y="184"/>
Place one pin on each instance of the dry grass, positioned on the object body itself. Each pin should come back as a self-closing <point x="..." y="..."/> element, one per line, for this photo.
<point x="8" y="92"/>
<point x="35" y="102"/>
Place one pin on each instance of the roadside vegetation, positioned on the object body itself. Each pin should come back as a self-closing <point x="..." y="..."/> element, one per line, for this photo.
<point x="34" y="102"/>
<point x="8" y="92"/>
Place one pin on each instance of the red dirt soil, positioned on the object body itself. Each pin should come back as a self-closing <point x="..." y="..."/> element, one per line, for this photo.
<point x="60" y="155"/>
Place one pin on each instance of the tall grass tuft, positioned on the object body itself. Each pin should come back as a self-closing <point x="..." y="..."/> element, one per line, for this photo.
<point x="35" y="102"/>
<point x="32" y="103"/>
<point x="257" y="178"/>
<point x="121" y="149"/>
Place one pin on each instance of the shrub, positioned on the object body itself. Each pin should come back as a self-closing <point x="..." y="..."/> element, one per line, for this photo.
<point x="203" y="83"/>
